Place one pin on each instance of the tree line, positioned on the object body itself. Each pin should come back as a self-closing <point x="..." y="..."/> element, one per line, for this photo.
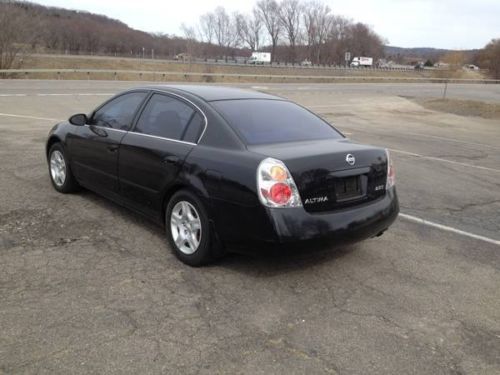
<point x="489" y="58"/>
<point x="30" y="27"/>
<point x="292" y="30"/>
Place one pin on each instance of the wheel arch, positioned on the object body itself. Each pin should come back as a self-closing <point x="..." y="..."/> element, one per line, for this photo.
<point x="199" y="192"/>
<point x="53" y="139"/>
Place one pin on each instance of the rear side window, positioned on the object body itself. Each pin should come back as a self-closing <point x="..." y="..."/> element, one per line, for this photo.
<point x="119" y="112"/>
<point x="273" y="121"/>
<point x="165" y="117"/>
<point x="195" y="128"/>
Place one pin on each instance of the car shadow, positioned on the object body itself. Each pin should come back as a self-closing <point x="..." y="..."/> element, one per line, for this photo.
<point x="117" y="209"/>
<point x="282" y="261"/>
<point x="256" y="262"/>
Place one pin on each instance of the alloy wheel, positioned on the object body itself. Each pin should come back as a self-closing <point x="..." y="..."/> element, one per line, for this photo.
<point x="57" y="168"/>
<point x="185" y="225"/>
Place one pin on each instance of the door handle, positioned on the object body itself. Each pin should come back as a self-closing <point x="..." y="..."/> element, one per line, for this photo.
<point x="99" y="131"/>
<point x="174" y="160"/>
<point x="112" y="148"/>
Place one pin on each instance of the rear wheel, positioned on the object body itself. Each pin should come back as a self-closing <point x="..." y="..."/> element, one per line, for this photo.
<point x="60" y="172"/>
<point x="188" y="229"/>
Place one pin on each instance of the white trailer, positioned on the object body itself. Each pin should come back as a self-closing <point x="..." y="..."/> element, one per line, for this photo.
<point x="260" y="58"/>
<point x="366" y="62"/>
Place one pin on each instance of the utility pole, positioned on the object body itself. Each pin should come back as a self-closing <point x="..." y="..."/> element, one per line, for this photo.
<point x="445" y="89"/>
<point x="143" y="50"/>
<point x="347" y="58"/>
<point x="152" y="54"/>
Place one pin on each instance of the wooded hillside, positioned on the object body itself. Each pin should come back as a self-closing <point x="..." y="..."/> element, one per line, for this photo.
<point x="294" y="30"/>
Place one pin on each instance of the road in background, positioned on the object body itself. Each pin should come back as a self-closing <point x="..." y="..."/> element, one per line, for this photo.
<point x="482" y="92"/>
<point x="86" y="286"/>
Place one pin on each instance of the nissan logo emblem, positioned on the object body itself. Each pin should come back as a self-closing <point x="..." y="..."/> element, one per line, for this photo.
<point x="350" y="159"/>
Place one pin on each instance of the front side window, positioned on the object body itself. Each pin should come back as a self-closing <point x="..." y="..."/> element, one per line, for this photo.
<point x="119" y="112"/>
<point x="273" y="121"/>
<point x="166" y="117"/>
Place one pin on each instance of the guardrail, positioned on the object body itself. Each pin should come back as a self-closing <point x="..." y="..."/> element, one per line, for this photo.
<point x="210" y="77"/>
<point x="239" y="62"/>
<point x="284" y="65"/>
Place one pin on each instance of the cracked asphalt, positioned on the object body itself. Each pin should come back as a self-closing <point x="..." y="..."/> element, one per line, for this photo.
<point x="89" y="287"/>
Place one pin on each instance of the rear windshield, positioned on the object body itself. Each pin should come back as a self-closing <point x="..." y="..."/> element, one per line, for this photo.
<point x="273" y="121"/>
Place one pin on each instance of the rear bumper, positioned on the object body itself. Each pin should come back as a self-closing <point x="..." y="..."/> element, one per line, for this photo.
<point x="348" y="225"/>
<point x="257" y="227"/>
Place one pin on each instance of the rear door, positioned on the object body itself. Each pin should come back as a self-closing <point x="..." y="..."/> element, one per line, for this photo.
<point x="152" y="154"/>
<point x="95" y="149"/>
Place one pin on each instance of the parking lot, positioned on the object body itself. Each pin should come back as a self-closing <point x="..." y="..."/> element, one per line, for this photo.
<point x="88" y="287"/>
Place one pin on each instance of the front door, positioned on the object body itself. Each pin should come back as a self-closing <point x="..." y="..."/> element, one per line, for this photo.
<point x="95" y="149"/>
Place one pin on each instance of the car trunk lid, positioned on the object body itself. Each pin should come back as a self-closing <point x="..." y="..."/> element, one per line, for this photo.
<point x="332" y="174"/>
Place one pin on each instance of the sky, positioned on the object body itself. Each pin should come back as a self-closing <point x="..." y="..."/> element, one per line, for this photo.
<point x="450" y="24"/>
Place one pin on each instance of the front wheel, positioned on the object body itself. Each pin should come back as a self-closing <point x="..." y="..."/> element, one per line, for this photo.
<point x="60" y="172"/>
<point x="188" y="229"/>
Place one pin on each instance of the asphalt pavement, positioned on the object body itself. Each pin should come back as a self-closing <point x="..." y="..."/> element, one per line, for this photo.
<point x="88" y="287"/>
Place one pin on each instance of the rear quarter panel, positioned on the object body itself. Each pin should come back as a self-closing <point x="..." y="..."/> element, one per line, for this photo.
<point x="229" y="179"/>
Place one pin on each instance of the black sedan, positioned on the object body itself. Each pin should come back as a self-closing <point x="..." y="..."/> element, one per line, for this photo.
<point x="225" y="168"/>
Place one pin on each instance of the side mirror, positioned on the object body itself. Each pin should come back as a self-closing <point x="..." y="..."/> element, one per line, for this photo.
<point x="79" y="119"/>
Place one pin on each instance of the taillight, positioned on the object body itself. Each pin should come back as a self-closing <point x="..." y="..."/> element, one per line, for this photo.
<point x="280" y="193"/>
<point x="276" y="186"/>
<point x="391" y="173"/>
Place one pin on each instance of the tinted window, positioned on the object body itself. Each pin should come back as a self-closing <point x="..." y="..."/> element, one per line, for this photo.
<point x="195" y="128"/>
<point x="119" y="113"/>
<point x="164" y="116"/>
<point x="273" y="121"/>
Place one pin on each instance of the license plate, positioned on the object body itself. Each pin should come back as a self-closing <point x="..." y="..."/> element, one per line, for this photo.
<point x="347" y="188"/>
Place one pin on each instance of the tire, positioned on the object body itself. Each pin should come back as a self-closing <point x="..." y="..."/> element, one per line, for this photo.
<point x="60" y="171"/>
<point x="185" y="212"/>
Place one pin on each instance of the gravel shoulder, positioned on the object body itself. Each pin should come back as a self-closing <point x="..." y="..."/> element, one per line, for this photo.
<point x="470" y="108"/>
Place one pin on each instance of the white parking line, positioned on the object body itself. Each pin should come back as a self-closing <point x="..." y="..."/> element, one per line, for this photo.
<point x="77" y="94"/>
<point x="30" y="117"/>
<point x="452" y="140"/>
<point x="444" y="160"/>
<point x="404" y="216"/>
<point x="449" y="229"/>
<point x="59" y="94"/>
<point x="329" y="105"/>
<point x="391" y="131"/>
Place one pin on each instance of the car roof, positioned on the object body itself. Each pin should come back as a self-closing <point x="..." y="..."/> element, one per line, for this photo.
<point x="212" y="93"/>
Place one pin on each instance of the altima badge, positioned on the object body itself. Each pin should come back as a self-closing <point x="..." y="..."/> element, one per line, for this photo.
<point x="316" y="200"/>
<point x="350" y="159"/>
